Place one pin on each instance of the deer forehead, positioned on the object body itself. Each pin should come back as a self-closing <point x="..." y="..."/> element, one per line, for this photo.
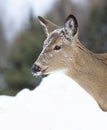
<point x="55" y="37"/>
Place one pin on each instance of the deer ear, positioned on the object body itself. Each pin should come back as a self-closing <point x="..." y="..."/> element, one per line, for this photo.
<point x="71" y="26"/>
<point x="48" y="26"/>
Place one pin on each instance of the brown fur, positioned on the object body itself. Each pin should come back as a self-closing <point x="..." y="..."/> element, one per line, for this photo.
<point x="85" y="67"/>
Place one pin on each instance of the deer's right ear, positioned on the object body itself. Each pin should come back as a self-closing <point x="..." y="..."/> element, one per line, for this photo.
<point x="48" y="26"/>
<point x="71" y="26"/>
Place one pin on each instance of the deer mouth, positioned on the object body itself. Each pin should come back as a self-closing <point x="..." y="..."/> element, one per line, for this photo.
<point x="45" y="70"/>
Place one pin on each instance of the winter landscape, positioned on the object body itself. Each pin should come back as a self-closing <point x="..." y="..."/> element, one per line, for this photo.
<point x="57" y="102"/>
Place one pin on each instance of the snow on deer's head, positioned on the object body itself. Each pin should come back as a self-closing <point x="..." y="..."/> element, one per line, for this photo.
<point x="58" y="46"/>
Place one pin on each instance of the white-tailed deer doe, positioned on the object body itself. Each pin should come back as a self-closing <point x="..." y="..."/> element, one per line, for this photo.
<point x="62" y="50"/>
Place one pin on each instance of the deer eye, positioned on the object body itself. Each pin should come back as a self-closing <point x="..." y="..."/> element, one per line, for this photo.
<point x="57" y="47"/>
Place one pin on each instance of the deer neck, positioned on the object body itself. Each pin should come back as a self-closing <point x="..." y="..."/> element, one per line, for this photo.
<point x="89" y="70"/>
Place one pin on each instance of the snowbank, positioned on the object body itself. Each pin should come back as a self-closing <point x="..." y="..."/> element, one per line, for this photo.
<point x="58" y="103"/>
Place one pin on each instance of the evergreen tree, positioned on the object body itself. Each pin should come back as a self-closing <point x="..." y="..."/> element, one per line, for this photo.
<point x="97" y="30"/>
<point x="24" y="52"/>
<point x="3" y="54"/>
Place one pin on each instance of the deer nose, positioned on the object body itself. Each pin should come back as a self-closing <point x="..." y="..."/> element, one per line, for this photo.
<point x="35" y="68"/>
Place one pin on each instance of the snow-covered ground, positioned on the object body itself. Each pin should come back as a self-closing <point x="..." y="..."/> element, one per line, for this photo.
<point x="58" y="103"/>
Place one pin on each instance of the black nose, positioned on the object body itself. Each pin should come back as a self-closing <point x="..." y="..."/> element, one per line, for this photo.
<point x="35" y="68"/>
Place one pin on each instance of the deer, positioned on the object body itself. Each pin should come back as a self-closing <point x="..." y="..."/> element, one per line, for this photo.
<point x="63" y="51"/>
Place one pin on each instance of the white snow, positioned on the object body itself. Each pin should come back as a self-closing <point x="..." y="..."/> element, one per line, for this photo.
<point x="58" y="103"/>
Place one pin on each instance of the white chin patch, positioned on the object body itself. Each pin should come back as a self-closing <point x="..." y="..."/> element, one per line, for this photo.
<point x="37" y="74"/>
<point x="56" y="71"/>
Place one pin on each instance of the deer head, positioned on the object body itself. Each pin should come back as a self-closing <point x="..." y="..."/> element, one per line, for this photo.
<point x="63" y="51"/>
<point x="58" y="47"/>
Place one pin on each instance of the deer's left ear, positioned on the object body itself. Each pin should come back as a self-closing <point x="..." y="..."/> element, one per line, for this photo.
<point x="71" y="26"/>
<point x="48" y="26"/>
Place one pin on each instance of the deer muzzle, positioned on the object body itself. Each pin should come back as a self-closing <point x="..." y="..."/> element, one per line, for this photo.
<point x="35" y="69"/>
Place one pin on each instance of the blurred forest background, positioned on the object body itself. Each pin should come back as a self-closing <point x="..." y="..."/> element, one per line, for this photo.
<point x="18" y="54"/>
